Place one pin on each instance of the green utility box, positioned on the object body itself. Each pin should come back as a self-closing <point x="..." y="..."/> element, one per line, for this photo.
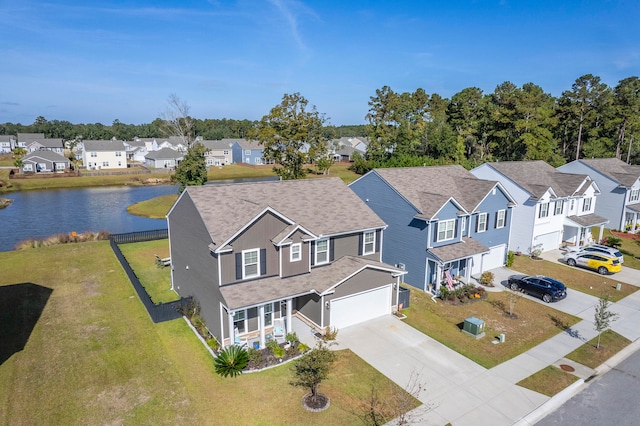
<point x="473" y="327"/>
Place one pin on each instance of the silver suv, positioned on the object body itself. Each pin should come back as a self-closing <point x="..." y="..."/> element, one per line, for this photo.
<point x="600" y="249"/>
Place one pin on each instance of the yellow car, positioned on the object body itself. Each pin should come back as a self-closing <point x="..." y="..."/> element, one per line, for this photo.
<point x="596" y="261"/>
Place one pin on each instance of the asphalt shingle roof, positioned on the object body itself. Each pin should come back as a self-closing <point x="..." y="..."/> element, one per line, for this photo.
<point x="429" y="188"/>
<point x="460" y="250"/>
<point x="322" y="206"/>
<point x="103" y="145"/>
<point x="164" y="154"/>
<point x="537" y="177"/>
<point x="588" y="220"/>
<point x="621" y="172"/>
<point x="46" y="155"/>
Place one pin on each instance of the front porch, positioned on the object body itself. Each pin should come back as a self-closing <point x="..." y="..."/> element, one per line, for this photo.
<point x="577" y="230"/>
<point x="632" y="219"/>
<point x="452" y="265"/>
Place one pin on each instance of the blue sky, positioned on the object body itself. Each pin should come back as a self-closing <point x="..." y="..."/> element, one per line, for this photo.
<point x="96" y="61"/>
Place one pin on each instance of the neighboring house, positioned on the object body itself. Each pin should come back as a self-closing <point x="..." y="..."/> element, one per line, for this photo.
<point x="44" y="162"/>
<point x="104" y="154"/>
<point x="441" y="221"/>
<point x="136" y="150"/>
<point x="254" y="253"/>
<point x="552" y="207"/>
<point x="163" y="158"/>
<point x="173" y="142"/>
<point x="218" y="152"/>
<point x="46" y="144"/>
<point x="151" y="144"/>
<point x="25" y="139"/>
<point x="247" y="151"/>
<point x="619" y="183"/>
<point x="7" y="143"/>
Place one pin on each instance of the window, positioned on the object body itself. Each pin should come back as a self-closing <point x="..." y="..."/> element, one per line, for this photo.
<point x="225" y="152"/>
<point x="247" y="152"/>
<point x="118" y="154"/>
<point x="258" y="160"/>
<point x="94" y="154"/>
<point x="635" y="194"/>
<point x="544" y="210"/>
<point x="322" y="251"/>
<point x="296" y="252"/>
<point x="238" y="321"/>
<point x="559" y="206"/>
<point x="209" y="162"/>
<point x="268" y="314"/>
<point x="105" y="164"/>
<point x="573" y="202"/>
<point x="369" y="242"/>
<point x="482" y="222"/>
<point x="587" y="205"/>
<point x="463" y="223"/>
<point x="119" y="163"/>
<point x="250" y="263"/>
<point x="446" y="229"/>
<point x="27" y="167"/>
<point x="60" y="166"/>
<point x="500" y="218"/>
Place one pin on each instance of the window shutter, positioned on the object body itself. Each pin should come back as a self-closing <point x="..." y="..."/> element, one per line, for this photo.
<point x="238" y="266"/>
<point x="495" y="222"/>
<point x="313" y="253"/>
<point x="360" y="242"/>
<point x="455" y="228"/>
<point x="378" y="237"/>
<point x="331" y="249"/>
<point x="435" y="231"/>
<point x="477" y="222"/>
<point x="263" y="261"/>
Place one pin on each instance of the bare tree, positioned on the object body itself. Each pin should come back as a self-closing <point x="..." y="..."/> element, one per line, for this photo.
<point x="176" y="120"/>
<point x="513" y="295"/>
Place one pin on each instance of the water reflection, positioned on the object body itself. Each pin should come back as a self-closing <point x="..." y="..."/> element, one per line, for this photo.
<point x="39" y="214"/>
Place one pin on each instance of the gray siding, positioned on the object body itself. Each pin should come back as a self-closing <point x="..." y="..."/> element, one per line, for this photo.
<point x="405" y="238"/>
<point x="310" y="306"/>
<point x="189" y="241"/>
<point x="367" y="279"/>
<point x="257" y="235"/>
<point x="299" y="267"/>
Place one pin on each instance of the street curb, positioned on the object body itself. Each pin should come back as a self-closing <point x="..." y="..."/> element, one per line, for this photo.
<point x="566" y="394"/>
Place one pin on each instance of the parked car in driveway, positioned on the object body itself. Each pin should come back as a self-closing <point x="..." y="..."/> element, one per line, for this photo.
<point x="547" y="288"/>
<point x="600" y="249"/>
<point x="601" y="263"/>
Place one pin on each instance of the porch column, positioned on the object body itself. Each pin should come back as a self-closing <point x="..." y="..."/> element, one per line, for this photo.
<point x="467" y="270"/>
<point x="438" y="277"/>
<point x="289" y="307"/>
<point x="601" y="233"/>
<point x="261" y="325"/>
<point x="232" y="336"/>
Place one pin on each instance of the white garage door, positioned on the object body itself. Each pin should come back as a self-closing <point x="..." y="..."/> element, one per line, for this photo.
<point x="549" y="241"/>
<point x="495" y="258"/>
<point x="361" y="307"/>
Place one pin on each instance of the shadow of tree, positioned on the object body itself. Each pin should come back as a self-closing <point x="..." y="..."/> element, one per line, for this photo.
<point x="20" y="308"/>
<point x="499" y="304"/>
<point x="558" y="322"/>
<point x="574" y="333"/>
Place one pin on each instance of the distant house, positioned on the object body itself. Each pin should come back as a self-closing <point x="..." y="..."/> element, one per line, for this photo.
<point x="26" y="138"/>
<point x="176" y="143"/>
<point x="36" y="142"/>
<point x="443" y="222"/>
<point x="619" y="182"/>
<point x="267" y="255"/>
<point x="104" y="154"/>
<point x="44" y="162"/>
<point x="136" y="150"/>
<point x="7" y="143"/>
<point x="552" y="207"/>
<point x="163" y="158"/>
<point x="218" y="152"/>
<point x="247" y="151"/>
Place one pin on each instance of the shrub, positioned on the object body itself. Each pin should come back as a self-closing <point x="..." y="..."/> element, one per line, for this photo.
<point x="231" y="361"/>
<point x="331" y="334"/>
<point x="487" y="278"/>
<point x="212" y="342"/>
<point x="255" y="357"/>
<point x="292" y="337"/>
<point x="511" y="257"/>
<point x="612" y="241"/>
<point x="303" y="347"/>
<point x="276" y="349"/>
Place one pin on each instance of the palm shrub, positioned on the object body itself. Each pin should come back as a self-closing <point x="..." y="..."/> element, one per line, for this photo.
<point x="511" y="257"/>
<point x="231" y="361"/>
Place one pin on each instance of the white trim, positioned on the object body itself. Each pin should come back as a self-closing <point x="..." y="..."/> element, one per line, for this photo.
<point x="316" y="263"/>
<point x="446" y="230"/>
<point x="257" y="263"/>
<point x="454" y="201"/>
<point x="394" y="273"/>
<point x="504" y="218"/>
<point x="365" y="243"/>
<point x="299" y="247"/>
<point x="486" y="222"/>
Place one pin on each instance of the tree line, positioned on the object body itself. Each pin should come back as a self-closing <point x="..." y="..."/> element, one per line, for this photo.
<point x="511" y="124"/>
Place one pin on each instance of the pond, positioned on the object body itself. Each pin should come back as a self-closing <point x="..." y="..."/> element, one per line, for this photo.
<point x="39" y="214"/>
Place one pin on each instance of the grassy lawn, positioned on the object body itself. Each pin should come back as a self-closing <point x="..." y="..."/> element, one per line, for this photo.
<point x="548" y="381"/>
<point x="155" y="208"/>
<point x="534" y="324"/>
<point x="93" y="356"/>
<point x="157" y="281"/>
<point x="610" y="344"/>
<point x="575" y="278"/>
<point x="629" y="248"/>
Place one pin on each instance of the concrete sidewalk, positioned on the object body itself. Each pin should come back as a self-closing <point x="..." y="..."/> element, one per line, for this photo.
<point x="459" y="391"/>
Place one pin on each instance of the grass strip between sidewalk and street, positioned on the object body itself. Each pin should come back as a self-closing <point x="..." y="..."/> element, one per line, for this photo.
<point x="610" y="344"/>
<point x="548" y="381"/>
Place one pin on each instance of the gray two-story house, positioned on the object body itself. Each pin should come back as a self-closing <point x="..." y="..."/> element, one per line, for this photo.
<point x="443" y="222"/>
<point x="619" y="183"/>
<point x="252" y="254"/>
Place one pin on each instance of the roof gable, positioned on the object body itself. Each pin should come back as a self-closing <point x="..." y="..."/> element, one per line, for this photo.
<point x="615" y="169"/>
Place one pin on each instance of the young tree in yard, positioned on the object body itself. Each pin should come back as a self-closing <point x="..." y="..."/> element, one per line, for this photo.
<point x="513" y="295"/>
<point x="175" y="121"/>
<point x="192" y="170"/>
<point x="310" y="370"/>
<point x="603" y="317"/>
<point x="285" y="133"/>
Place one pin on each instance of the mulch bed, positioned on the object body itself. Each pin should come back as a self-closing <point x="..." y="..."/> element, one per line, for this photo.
<point x="320" y="403"/>
<point x="626" y="235"/>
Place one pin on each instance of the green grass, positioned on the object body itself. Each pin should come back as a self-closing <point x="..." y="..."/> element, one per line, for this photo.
<point x="95" y="357"/>
<point x="629" y="248"/>
<point x="157" y="281"/>
<point x="534" y="324"/>
<point x="610" y="344"/>
<point x="548" y="381"/>
<point x="155" y="208"/>
<point x="575" y="278"/>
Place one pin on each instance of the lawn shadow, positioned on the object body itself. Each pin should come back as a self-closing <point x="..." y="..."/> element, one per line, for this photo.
<point x="20" y="308"/>
<point x="559" y="323"/>
<point x="574" y="333"/>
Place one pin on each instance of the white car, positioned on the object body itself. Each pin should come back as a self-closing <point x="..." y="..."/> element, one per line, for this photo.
<point x="599" y="249"/>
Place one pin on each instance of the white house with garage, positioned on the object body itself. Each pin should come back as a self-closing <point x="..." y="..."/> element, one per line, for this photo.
<point x="104" y="154"/>
<point x="257" y="255"/>
<point x="553" y="208"/>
